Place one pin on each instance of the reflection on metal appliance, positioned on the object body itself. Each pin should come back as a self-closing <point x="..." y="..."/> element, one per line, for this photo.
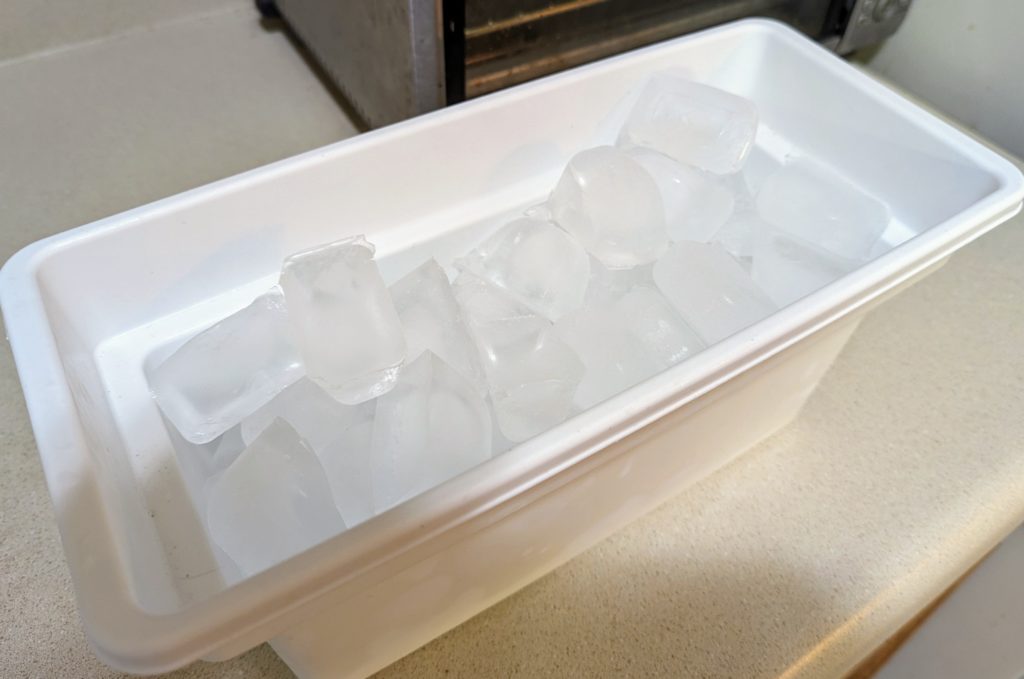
<point x="394" y="59"/>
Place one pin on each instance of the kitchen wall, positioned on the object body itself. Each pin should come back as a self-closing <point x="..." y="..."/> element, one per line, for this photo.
<point x="966" y="58"/>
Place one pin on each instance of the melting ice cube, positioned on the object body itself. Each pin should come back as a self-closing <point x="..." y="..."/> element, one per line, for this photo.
<point x="272" y="502"/>
<point x="228" y="370"/>
<point x="433" y="321"/>
<point x="811" y="203"/>
<point x="431" y="427"/>
<point x="608" y="285"/>
<point x="536" y="262"/>
<point x="613" y="207"/>
<point x="696" y="204"/>
<point x="696" y="124"/>
<point x="345" y="325"/>
<point x="710" y="290"/>
<point x="625" y="341"/>
<point x="787" y="269"/>
<point x="531" y="374"/>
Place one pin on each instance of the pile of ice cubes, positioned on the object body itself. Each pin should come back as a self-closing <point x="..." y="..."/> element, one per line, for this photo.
<point x="335" y="396"/>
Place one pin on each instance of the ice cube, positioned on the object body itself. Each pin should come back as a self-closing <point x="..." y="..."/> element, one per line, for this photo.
<point x="738" y="234"/>
<point x="272" y="502"/>
<point x="537" y="263"/>
<point x="608" y="285"/>
<point x="431" y="427"/>
<point x="663" y="334"/>
<point x="344" y="322"/>
<point x="228" y="370"/>
<point x="811" y="203"/>
<point x="522" y="359"/>
<point x="613" y="356"/>
<point x="626" y="341"/>
<point x="696" y="124"/>
<point x="613" y="207"/>
<point x="787" y="270"/>
<point x="433" y="321"/>
<point x="347" y="461"/>
<point x="304" y="405"/>
<point x="696" y="204"/>
<point x="710" y="290"/>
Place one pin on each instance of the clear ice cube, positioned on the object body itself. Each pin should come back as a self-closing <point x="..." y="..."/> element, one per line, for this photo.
<point x="228" y="370"/>
<point x="696" y="204"/>
<point x="625" y="341"/>
<point x="433" y="321"/>
<point x="613" y="207"/>
<point x="710" y="290"/>
<point x="431" y="427"/>
<point x="345" y="325"/>
<point x="787" y="269"/>
<point x="531" y="374"/>
<point x="738" y="234"/>
<point x="310" y="410"/>
<point x="536" y="262"/>
<point x="696" y="124"/>
<point x="811" y="203"/>
<point x="272" y="502"/>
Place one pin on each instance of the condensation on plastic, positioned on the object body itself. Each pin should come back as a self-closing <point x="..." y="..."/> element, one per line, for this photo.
<point x="89" y="309"/>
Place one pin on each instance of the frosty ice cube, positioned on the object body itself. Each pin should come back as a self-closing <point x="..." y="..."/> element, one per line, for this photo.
<point x="696" y="204"/>
<point x="431" y="427"/>
<point x="738" y="234"/>
<point x="347" y="461"/>
<point x="272" y="502"/>
<point x="613" y="207"/>
<point x="625" y="341"/>
<point x="696" y="124"/>
<point x="811" y="203"/>
<point x="345" y="325"/>
<point x="608" y="285"/>
<point x="613" y="356"/>
<point x="787" y="269"/>
<point x="537" y="263"/>
<point x="228" y="370"/>
<point x="531" y="374"/>
<point x="710" y="290"/>
<point x="433" y="321"/>
<point x="309" y="409"/>
<point x="666" y="339"/>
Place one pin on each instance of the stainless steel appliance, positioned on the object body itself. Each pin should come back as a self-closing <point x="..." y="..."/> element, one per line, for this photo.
<point x="394" y="59"/>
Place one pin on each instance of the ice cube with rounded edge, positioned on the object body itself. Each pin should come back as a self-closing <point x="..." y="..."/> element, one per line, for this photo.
<point x="431" y="427"/>
<point x="536" y="262"/>
<point x="613" y="207"/>
<point x="614" y="358"/>
<point x="710" y="290"/>
<point x="229" y="370"/>
<point x="663" y="334"/>
<point x="433" y="321"/>
<point x="608" y="285"/>
<point x="272" y="502"/>
<point x="696" y="204"/>
<point x="522" y="359"/>
<point x="625" y="341"/>
<point x="304" y="405"/>
<point x="347" y="461"/>
<point x="812" y="203"/>
<point x="696" y="124"/>
<point x="738" y="234"/>
<point x="788" y="270"/>
<point x="344" y="322"/>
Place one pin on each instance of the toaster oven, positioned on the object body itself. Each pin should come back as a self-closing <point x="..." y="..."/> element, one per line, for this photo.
<point x="393" y="59"/>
